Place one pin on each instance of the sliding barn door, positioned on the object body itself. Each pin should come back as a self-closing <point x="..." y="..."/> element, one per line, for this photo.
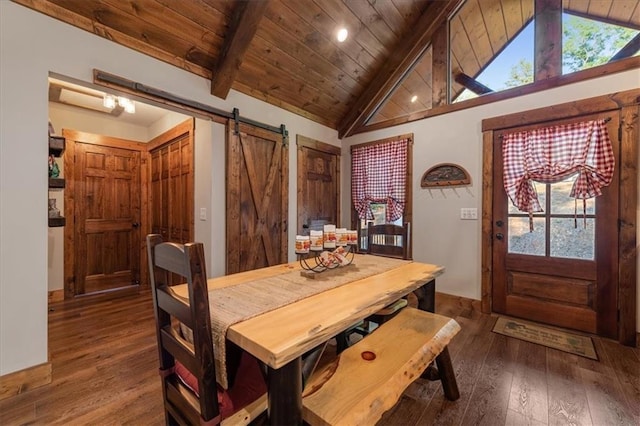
<point x="257" y="197"/>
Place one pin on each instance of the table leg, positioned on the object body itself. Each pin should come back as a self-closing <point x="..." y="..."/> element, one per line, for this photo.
<point x="427" y="296"/>
<point x="284" y="387"/>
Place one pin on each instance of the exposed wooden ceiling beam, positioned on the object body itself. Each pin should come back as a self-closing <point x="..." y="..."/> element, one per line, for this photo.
<point x="242" y="28"/>
<point x="472" y="84"/>
<point x="402" y="59"/>
<point x="628" y="50"/>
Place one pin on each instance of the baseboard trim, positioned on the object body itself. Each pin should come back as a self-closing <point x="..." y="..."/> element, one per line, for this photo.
<point x="13" y="384"/>
<point x="56" y="296"/>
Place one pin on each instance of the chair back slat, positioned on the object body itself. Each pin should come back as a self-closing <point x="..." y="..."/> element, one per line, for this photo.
<point x="171" y="257"/>
<point x="389" y="240"/>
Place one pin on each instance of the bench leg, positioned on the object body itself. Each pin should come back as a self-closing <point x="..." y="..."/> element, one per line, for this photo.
<point x="447" y="375"/>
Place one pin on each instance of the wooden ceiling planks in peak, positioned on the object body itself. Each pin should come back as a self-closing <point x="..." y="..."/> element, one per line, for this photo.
<point x="491" y="11"/>
<point x="402" y="58"/>
<point x="326" y="26"/>
<point x="152" y="24"/>
<point x="242" y="28"/>
<point x="516" y="13"/>
<point x="623" y="12"/>
<point x="618" y="12"/>
<point x="370" y="18"/>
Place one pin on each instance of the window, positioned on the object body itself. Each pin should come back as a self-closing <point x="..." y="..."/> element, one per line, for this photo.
<point x="591" y="41"/>
<point x="491" y="47"/>
<point x="571" y="229"/>
<point x="381" y="183"/>
<point x="492" y="43"/>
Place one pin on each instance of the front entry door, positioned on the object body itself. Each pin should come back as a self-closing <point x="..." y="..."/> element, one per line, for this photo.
<point x="318" y="183"/>
<point x="257" y="198"/>
<point x="565" y="271"/>
<point x="106" y="216"/>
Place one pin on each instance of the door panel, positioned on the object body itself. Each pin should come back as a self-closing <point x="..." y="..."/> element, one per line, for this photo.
<point x="564" y="271"/>
<point x="257" y="197"/>
<point x="172" y="191"/>
<point x="318" y="183"/>
<point x="107" y="209"/>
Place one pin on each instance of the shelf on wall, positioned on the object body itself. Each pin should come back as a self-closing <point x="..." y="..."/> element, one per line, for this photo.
<point x="56" y="221"/>
<point x="56" y="145"/>
<point x="56" y="183"/>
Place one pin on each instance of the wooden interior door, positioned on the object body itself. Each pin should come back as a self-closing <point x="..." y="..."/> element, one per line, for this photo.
<point x="105" y="194"/>
<point x="256" y="199"/>
<point x="318" y="183"/>
<point x="172" y="190"/>
<point x="565" y="272"/>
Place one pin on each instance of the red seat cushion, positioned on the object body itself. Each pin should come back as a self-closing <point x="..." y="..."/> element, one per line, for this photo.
<point x="249" y="385"/>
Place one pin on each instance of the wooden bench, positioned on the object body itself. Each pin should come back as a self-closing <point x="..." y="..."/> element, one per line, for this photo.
<point x="369" y="377"/>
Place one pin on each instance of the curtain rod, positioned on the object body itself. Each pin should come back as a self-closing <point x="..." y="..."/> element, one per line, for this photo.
<point x="110" y="79"/>
<point x="606" y="120"/>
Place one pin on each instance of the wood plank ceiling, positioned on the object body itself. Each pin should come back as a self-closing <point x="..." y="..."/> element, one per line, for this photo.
<point x="285" y="52"/>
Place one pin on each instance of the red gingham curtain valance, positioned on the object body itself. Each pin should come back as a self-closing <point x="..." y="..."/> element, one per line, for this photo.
<point x="551" y="154"/>
<point x="379" y="176"/>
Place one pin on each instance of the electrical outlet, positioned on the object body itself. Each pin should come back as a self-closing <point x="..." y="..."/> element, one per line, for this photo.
<point x="203" y="213"/>
<point x="469" y="213"/>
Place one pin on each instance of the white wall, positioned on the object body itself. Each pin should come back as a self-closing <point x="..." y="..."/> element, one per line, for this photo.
<point x="439" y="235"/>
<point x="32" y="45"/>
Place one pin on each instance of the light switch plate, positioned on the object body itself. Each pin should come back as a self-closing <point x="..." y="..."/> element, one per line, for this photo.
<point x="203" y="213"/>
<point x="469" y="213"/>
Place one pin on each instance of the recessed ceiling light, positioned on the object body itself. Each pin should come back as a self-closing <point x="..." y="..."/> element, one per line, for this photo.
<point x="342" y="34"/>
<point x="414" y="98"/>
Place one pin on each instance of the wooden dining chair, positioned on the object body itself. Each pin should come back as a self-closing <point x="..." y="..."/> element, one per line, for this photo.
<point x="187" y="368"/>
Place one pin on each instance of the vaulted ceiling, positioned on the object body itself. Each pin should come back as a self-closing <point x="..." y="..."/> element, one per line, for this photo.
<point x="285" y="52"/>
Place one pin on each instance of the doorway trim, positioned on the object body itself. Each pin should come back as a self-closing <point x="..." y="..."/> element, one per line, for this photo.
<point x="627" y="104"/>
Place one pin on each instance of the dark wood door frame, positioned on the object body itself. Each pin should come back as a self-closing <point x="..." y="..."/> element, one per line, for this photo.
<point x="627" y="105"/>
<point x="69" y="203"/>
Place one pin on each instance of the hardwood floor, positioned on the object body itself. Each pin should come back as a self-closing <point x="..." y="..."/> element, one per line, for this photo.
<point x="105" y="373"/>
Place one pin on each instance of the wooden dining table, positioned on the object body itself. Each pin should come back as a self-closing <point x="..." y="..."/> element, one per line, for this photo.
<point x="280" y="337"/>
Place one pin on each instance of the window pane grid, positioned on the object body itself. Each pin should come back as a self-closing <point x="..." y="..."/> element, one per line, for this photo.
<point x="563" y="230"/>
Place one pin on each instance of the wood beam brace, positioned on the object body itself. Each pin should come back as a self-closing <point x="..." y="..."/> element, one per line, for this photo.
<point x="472" y="84"/>
<point x="402" y="59"/>
<point x="628" y="50"/>
<point x="440" y="66"/>
<point x="242" y="28"/>
<point x="548" y="39"/>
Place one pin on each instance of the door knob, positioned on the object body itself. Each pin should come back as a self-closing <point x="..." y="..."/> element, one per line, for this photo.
<point x="499" y="236"/>
<point x="135" y="224"/>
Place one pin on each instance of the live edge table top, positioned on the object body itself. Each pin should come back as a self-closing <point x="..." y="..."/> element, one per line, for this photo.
<point x="279" y="336"/>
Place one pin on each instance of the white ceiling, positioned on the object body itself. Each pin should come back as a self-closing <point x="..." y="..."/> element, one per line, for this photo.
<point x="91" y="99"/>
